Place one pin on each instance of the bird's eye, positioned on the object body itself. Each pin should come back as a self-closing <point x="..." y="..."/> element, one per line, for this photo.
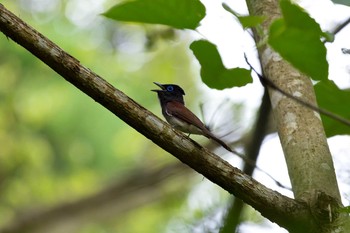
<point x="170" y="88"/>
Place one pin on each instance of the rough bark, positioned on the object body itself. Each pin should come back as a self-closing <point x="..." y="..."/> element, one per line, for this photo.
<point x="300" y="129"/>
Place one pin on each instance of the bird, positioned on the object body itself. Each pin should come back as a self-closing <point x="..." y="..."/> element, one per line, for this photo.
<point x="179" y="116"/>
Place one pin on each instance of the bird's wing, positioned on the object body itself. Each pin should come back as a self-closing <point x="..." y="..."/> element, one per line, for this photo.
<point x="179" y="110"/>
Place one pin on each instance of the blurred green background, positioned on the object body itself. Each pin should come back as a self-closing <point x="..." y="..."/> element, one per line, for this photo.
<point x="60" y="148"/>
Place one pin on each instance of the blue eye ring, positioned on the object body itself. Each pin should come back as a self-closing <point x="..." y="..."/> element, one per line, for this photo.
<point x="170" y="88"/>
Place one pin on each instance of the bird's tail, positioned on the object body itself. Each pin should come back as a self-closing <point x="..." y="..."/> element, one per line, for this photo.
<point x="224" y="145"/>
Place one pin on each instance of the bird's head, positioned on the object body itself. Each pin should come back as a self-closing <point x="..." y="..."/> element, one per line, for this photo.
<point x="169" y="92"/>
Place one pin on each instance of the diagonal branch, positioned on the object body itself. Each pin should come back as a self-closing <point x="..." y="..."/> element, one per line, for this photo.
<point x="278" y="208"/>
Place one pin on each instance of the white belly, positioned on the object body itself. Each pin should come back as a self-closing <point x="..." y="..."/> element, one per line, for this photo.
<point x="184" y="126"/>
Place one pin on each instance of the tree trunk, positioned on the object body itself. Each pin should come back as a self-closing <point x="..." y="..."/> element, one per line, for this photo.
<point x="300" y="129"/>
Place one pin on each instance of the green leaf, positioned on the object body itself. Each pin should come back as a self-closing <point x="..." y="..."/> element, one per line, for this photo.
<point x="246" y="21"/>
<point x="213" y="72"/>
<point x="250" y="21"/>
<point x="297" y="38"/>
<point x="333" y="99"/>
<point x="207" y="55"/>
<point x="328" y="36"/>
<point x="175" y="13"/>
<point x="345" y="209"/>
<point x="296" y="17"/>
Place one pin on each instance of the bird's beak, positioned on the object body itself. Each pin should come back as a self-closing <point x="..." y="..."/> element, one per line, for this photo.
<point x="159" y="85"/>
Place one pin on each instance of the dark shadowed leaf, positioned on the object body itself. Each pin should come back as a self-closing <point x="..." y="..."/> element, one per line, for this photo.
<point x="343" y="2"/>
<point x="213" y="72"/>
<point x="330" y="97"/>
<point x="175" y="13"/>
<point x="297" y="38"/>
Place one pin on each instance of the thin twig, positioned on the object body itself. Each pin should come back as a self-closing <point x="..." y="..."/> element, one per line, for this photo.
<point x="341" y="26"/>
<point x="267" y="82"/>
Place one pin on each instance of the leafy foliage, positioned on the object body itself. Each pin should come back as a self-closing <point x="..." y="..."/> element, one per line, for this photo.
<point x="296" y="37"/>
<point x="179" y="14"/>
<point x="213" y="72"/>
<point x="330" y="97"/>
